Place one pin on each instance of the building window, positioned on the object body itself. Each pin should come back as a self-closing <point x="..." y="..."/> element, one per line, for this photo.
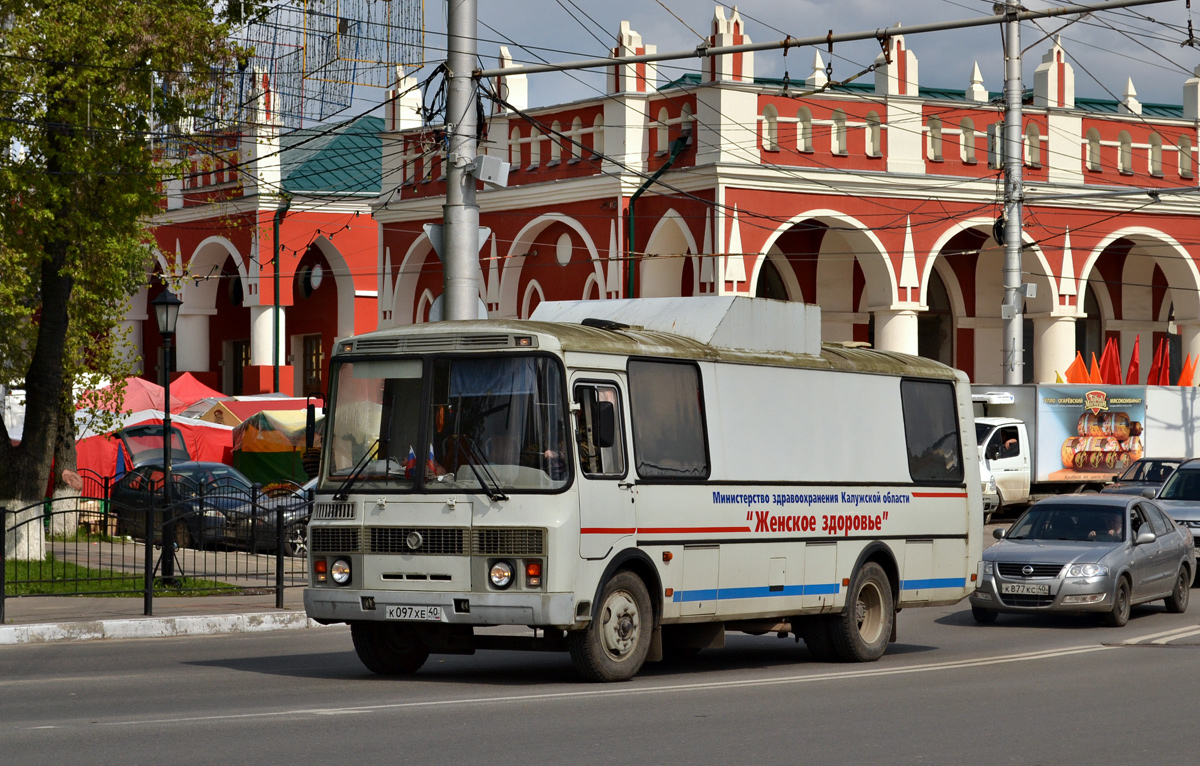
<point x="555" y="143"/>
<point x="935" y="139"/>
<point x="804" y="129"/>
<point x="661" y="133"/>
<point x="874" y="131"/>
<point x="770" y="129"/>
<point x="967" y="141"/>
<point x="314" y="358"/>
<point x="573" y="144"/>
<point x="514" y="148"/>
<point x="1125" y="153"/>
<point x="1156" y="168"/>
<point x="1033" y="146"/>
<point x="239" y="358"/>
<point x="996" y="145"/>
<point x="685" y="126"/>
<point x="598" y="135"/>
<point x="838" y="134"/>
<point x="535" y="149"/>
<point x="1093" y="150"/>
<point x="1185" y="157"/>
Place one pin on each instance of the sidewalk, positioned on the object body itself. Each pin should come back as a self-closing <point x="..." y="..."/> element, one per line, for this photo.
<point x="42" y="619"/>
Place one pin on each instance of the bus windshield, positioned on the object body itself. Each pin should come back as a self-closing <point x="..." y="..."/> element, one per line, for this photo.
<point x="490" y="424"/>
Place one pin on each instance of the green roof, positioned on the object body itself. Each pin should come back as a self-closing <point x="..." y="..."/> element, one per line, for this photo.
<point x="344" y="158"/>
<point x="1110" y="106"/>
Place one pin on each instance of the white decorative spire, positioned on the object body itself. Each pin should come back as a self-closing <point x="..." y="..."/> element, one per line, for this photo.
<point x="735" y="262"/>
<point x="493" y="279"/>
<point x="1066" y="284"/>
<point x="908" y="262"/>
<point x="706" y="259"/>
<point x="613" y="277"/>
<point x="1129" y="101"/>
<point x="385" y="285"/>
<point x="975" y="91"/>
<point x="818" y="78"/>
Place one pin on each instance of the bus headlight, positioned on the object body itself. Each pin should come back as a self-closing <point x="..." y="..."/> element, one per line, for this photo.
<point x="501" y="574"/>
<point x="339" y="572"/>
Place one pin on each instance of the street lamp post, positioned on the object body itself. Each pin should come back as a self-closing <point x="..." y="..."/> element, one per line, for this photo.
<point x="166" y="312"/>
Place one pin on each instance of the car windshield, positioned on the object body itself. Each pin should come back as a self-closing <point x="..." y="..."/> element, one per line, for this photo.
<point x="1059" y="521"/>
<point x="214" y="475"/>
<point x="449" y="423"/>
<point x="1150" y="470"/>
<point x="1183" y="485"/>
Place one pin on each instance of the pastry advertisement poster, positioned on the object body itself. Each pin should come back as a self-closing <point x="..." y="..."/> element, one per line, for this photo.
<point x="1089" y="433"/>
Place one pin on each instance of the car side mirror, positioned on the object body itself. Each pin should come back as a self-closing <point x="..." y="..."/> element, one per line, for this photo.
<point x="999" y="533"/>
<point x="1116" y="477"/>
<point x="993" y="452"/>
<point x="606" y="424"/>
<point x="1149" y="492"/>
<point x="1145" y="536"/>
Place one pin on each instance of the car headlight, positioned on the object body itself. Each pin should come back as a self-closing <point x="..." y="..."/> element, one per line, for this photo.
<point x="991" y="485"/>
<point x="501" y="574"/>
<point x="1086" y="570"/>
<point x="339" y="572"/>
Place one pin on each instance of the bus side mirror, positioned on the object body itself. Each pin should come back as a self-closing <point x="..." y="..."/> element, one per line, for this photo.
<point x="310" y="424"/>
<point x="606" y="425"/>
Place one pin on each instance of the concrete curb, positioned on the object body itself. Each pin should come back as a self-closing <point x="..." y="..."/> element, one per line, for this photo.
<point x="154" y="627"/>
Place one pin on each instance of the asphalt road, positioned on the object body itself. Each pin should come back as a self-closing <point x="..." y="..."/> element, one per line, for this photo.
<point x="1025" y="690"/>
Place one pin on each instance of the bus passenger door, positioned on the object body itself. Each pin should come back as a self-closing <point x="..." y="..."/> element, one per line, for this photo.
<point x="606" y="512"/>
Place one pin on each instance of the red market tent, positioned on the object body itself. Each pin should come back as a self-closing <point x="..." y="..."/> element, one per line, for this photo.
<point x="140" y="394"/>
<point x="187" y="389"/>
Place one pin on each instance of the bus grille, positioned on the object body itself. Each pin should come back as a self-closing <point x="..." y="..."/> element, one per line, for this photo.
<point x="432" y="541"/>
<point x="333" y="539"/>
<point x="333" y="511"/>
<point x="508" y="542"/>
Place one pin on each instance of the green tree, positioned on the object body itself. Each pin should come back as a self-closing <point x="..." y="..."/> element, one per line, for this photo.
<point x="83" y="89"/>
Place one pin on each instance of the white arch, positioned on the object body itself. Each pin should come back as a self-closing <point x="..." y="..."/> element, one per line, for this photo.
<point x="204" y="265"/>
<point x="530" y="289"/>
<point x="876" y="265"/>
<point x="510" y="275"/>
<point x="344" y="281"/>
<point x="660" y="277"/>
<point x="588" y="284"/>
<point x="954" y="291"/>
<point x="786" y="273"/>
<point x="1047" y="297"/>
<point x="404" y="296"/>
<point x="422" y="307"/>
<point x="1181" y="271"/>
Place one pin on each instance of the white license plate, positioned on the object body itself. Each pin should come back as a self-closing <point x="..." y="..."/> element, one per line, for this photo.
<point x="1025" y="589"/>
<point x="425" y="613"/>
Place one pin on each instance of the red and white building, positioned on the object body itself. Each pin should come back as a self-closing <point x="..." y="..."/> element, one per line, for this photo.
<point x="875" y="201"/>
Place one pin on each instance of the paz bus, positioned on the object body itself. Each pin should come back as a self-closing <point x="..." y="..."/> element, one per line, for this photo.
<point x="628" y="479"/>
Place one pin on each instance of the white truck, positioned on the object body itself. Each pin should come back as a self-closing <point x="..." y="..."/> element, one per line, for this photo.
<point x="1038" y="440"/>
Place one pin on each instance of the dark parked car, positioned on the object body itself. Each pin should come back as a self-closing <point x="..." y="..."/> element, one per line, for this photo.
<point x="1144" y="474"/>
<point x="212" y="503"/>
<point x="1180" y="496"/>
<point x="1086" y="553"/>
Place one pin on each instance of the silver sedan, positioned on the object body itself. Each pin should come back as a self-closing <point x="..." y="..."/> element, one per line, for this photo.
<point x="1090" y="553"/>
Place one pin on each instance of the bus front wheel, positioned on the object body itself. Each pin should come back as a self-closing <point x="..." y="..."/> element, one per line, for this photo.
<point x="614" y="645"/>
<point x="862" y="631"/>
<point x="388" y="649"/>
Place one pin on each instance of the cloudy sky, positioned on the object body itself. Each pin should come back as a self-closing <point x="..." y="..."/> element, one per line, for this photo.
<point x="1143" y="43"/>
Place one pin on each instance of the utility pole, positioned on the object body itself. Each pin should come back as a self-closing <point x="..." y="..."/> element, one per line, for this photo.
<point x="1012" y="311"/>
<point x="460" y="214"/>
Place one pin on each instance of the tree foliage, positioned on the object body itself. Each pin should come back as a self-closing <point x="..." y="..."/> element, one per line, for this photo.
<point x="85" y="89"/>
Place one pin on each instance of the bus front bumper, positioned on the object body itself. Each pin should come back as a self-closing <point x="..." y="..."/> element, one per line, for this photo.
<point x="326" y="605"/>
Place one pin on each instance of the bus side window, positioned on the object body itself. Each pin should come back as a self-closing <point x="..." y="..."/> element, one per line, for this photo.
<point x="931" y="431"/>
<point x="598" y="431"/>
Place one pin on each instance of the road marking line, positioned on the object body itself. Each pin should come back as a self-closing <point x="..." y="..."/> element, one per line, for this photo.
<point x="1172" y="631"/>
<point x="627" y="690"/>
<point x="1168" y="639"/>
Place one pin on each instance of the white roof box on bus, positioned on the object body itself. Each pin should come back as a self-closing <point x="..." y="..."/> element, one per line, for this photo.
<point x="753" y="324"/>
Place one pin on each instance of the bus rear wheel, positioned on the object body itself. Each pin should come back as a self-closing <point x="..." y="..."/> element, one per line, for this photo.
<point x="388" y="649"/>
<point x="862" y="631"/>
<point x="614" y="645"/>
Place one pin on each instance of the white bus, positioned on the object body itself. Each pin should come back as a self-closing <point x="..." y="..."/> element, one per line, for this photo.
<point x="629" y="479"/>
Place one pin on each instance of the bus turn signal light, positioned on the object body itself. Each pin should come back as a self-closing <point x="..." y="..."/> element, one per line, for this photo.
<point x="533" y="574"/>
<point x="321" y="570"/>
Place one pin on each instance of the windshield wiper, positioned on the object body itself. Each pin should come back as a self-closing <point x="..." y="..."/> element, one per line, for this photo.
<point x="492" y="485"/>
<point x="348" y="482"/>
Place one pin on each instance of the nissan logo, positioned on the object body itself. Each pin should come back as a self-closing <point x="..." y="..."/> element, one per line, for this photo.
<point x="414" y="540"/>
<point x="1025" y="570"/>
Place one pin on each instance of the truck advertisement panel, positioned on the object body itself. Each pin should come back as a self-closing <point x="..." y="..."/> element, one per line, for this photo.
<point x="1088" y="433"/>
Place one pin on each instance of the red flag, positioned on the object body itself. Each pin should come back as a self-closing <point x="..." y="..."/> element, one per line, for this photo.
<point x="1189" y="369"/>
<point x="1131" y="376"/>
<point x="1155" y="366"/>
<point x="1164" y="370"/>
<point x="1094" y="373"/>
<point x="1110" y="364"/>
<point x="1077" y="372"/>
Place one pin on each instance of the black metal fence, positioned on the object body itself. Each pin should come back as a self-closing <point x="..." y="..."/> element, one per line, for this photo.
<point x="222" y="539"/>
